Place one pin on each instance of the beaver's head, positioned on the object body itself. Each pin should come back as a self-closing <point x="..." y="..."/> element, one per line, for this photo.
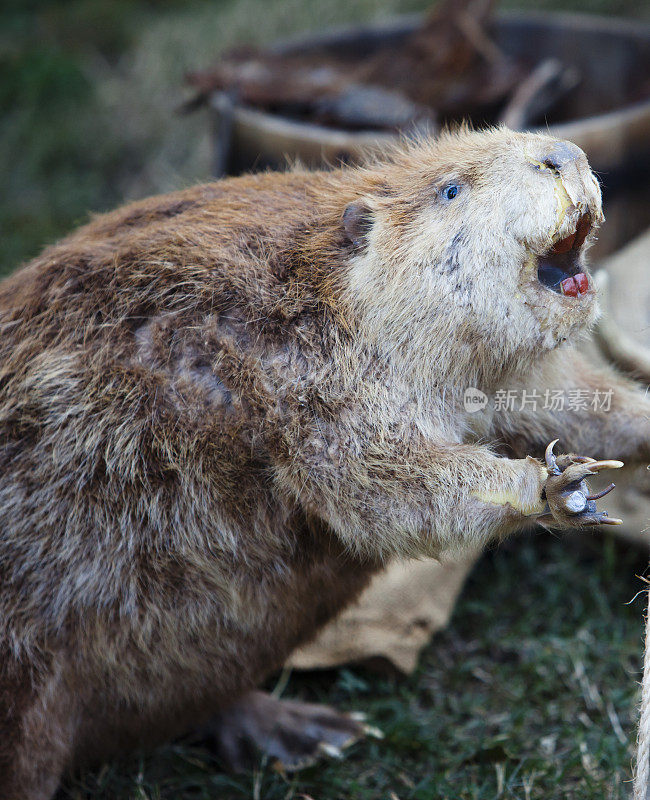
<point x="473" y="247"/>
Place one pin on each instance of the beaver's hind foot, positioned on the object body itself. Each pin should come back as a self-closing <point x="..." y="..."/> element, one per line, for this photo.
<point x="291" y="733"/>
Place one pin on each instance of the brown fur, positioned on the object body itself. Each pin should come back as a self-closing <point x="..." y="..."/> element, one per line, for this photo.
<point x="220" y="414"/>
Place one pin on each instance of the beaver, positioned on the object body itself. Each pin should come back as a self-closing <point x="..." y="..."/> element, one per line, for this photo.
<point x="224" y="409"/>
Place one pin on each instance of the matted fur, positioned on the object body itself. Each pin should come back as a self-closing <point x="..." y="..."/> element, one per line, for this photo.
<point x="220" y="414"/>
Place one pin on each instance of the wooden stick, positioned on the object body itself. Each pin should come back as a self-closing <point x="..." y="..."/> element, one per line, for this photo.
<point x="538" y="92"/>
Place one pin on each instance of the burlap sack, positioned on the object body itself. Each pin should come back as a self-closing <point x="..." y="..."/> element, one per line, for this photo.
<point x="623" y="336"/>
<point x="405" y="605"/>
<point x="394" y="618"/>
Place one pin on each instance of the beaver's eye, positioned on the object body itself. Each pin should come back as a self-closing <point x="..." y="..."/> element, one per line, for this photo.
<point x="450" y="191"/>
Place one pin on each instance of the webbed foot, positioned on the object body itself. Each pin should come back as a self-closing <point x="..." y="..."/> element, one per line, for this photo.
<point x="291" y="733"/>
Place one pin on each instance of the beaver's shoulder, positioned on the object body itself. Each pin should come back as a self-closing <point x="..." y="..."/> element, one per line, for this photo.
<point x="218" y="244"/>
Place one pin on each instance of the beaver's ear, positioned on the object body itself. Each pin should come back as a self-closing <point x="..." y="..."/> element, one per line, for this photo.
<point x="357" y="221"/>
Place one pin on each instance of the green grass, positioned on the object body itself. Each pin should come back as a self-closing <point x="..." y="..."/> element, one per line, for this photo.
<point x="530" y="693"/>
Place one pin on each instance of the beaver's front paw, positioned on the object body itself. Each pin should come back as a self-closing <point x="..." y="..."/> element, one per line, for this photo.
<point x="569" y="501"/>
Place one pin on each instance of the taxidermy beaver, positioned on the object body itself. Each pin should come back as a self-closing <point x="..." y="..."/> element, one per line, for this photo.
<point x="223" y="410"/>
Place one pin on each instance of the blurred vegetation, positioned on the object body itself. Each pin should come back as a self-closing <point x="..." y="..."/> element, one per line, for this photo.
<point x="89" y="91"/>
<point x="531" y="692"/>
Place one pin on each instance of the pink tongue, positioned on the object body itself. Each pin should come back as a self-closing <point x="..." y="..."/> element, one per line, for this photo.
<point x="576" y="285"/>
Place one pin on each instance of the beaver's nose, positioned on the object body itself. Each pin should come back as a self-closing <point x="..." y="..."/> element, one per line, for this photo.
<point x="561" y="154"/>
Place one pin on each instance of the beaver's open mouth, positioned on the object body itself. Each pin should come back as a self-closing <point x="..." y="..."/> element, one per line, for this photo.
<point x="559" y="269"/>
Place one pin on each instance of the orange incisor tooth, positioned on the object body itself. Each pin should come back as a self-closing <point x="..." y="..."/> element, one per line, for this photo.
<point x="582" y="282"/>
<point x="569" y="287"/>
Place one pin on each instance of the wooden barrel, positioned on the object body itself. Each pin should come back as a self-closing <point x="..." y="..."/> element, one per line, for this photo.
<point x="608" y="114"/>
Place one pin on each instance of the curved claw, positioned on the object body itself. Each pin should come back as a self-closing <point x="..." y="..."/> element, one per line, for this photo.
<point x="601" y="518"/>
<point x="549" y="519"/>
<point x="371" y="730"/>
<point x="583" y="460"/>
<point x="598" y="465"/>
<point x="605" y="491"/>
<point x="610" y="521"/>
<point x="551" y="461"/>
<point x="330" y="750"/>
